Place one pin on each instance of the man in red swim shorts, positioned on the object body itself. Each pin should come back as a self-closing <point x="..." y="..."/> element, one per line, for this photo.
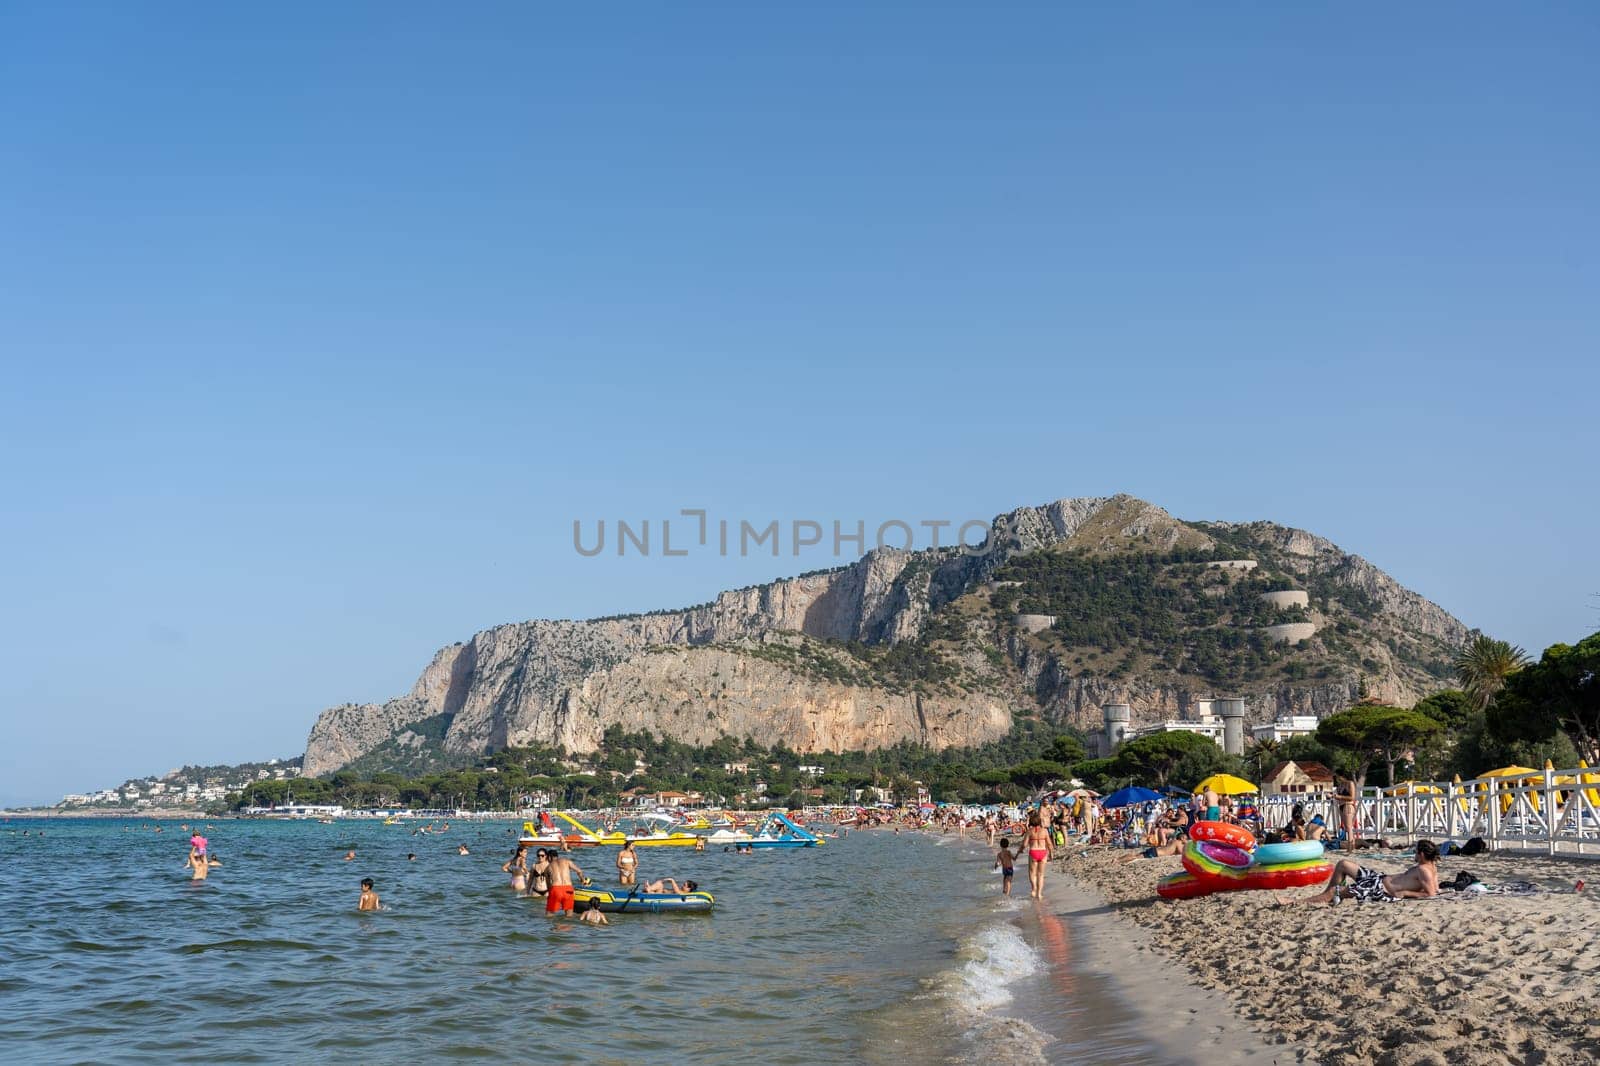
<point x="560" y="871"/>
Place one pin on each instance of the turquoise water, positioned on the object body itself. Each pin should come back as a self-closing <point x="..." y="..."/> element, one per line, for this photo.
<point x="878" y="948"/>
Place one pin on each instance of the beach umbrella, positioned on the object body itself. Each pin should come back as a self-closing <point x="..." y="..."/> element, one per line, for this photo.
<point x="1082" y="793"/>
<point x="1411" y="788"/>
<point x="1172" y="790"/>
<point x="1511" y="771"/>
<point x="1589" y="779"/>
<point x="1127" y="797"/>
<point x="1515" y="773"/>
<point x="1227" y="785"/>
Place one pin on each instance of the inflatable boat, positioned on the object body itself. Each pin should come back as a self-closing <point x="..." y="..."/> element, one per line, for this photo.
<point x="623" y="901"/>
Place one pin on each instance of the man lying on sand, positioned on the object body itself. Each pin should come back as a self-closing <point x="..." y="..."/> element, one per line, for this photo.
<point x="1370" y="886"/>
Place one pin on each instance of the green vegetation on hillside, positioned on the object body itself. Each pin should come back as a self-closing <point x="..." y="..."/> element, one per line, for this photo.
<point x="598" y="778"/>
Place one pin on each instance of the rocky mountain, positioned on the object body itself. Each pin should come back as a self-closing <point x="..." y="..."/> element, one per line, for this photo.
<point x="1082" y="602"/>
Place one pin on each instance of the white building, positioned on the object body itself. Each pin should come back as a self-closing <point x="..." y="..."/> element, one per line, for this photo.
<point x="814" y="771"/>
<point x="1206" y="722"/>
<point x="1299" y="725"/>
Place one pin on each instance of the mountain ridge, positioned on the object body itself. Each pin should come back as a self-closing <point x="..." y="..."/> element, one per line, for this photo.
<point x="929" y="647"/>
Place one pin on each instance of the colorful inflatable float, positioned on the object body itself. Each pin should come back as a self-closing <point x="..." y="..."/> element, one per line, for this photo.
<point x="623" y="901"/>
<point x="1224" y="858"/>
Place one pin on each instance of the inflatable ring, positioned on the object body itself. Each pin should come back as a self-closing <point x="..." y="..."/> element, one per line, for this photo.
<point x="1289" y="851"/>
<point x="1289" y="875"/>
<point x="1223" y="833"/>
<point x="1216" y="866"/>
<point x="1180" y="886"/>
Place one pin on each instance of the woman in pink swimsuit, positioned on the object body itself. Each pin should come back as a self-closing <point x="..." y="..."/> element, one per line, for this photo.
<point x="1038" y="844"/>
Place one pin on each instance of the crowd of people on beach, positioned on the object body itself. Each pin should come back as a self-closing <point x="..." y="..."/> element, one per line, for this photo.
<point x="1047" y="829"/>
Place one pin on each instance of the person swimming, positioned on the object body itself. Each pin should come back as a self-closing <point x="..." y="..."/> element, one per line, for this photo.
<point x="369" y="898"/>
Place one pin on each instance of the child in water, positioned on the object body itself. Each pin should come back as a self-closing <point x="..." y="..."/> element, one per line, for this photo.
<point x="369" y="898"/>
<point x="589" y="911"/>
<point x="1006" y="860"/>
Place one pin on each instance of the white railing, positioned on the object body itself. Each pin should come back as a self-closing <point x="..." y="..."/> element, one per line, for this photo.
<point x="1558" y="810"/>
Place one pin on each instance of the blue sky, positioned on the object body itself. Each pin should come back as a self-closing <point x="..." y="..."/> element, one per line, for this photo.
<point x="320" y="326"/>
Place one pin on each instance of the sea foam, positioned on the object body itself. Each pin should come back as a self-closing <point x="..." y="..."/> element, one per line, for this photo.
<point x="990" y="961"/>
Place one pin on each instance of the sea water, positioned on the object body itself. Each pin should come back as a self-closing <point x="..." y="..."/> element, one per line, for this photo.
<point x="876" y="948"/>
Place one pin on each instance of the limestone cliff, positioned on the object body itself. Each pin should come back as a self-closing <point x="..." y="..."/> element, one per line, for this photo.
<point x="770" y="661"/>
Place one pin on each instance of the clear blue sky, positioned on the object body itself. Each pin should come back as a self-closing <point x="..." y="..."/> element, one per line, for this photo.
<point x="320" y="324"/>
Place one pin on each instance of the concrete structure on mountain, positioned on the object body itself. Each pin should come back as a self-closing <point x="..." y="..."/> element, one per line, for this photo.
<point x="1219" y="720"/>
<point x="1033" y="623"/>
<point x="1117" y="716"/>
<point x="1291" y="632"/>
<point x="1287" y="598"/>
<point x="1232" y="713"/>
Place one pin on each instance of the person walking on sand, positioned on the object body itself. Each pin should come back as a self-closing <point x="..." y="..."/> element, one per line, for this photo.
<point x="1212" y="804"/>
<point x="1037" y="841"/>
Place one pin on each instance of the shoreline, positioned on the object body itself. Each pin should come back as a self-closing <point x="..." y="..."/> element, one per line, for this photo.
<point x="1186" y="1022"/>
<point x="1471" y="981"/>
<point x="147" y="815"/>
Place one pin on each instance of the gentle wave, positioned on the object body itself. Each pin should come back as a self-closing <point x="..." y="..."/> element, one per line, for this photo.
<point x="993" y="959"/>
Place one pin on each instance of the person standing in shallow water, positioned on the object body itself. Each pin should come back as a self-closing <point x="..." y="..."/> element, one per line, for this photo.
<point x="517" y="867"/>
<point x="1037" y="842"/>
<point x="627" y="864"/>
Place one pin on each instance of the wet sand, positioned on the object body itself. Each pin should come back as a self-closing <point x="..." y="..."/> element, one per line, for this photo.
<point x="1188" y="1021"/>
<point x="1482" y="979"/>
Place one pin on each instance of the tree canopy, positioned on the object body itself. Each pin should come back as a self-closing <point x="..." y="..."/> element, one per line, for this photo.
<point x="1559" y="693"/>
<point x="1370" y="732"/>
<point x="1153" y="758"/>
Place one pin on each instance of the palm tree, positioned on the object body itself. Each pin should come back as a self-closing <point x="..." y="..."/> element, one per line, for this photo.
<point x="1484" y="665"/>
<point x="1263" y="754"/>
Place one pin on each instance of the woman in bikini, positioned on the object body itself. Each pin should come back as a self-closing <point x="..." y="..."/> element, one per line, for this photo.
<point x="517" y="867"/>
<point x="539" y="883"/>
<point x="627" y="864"/>
<point x="1037" y="841"/>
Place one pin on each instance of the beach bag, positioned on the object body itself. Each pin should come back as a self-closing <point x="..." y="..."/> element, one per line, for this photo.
<point x="1475" y="846"/>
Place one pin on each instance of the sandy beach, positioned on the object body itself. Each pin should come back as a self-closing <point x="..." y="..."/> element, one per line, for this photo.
<point x="1476" y="979"/>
